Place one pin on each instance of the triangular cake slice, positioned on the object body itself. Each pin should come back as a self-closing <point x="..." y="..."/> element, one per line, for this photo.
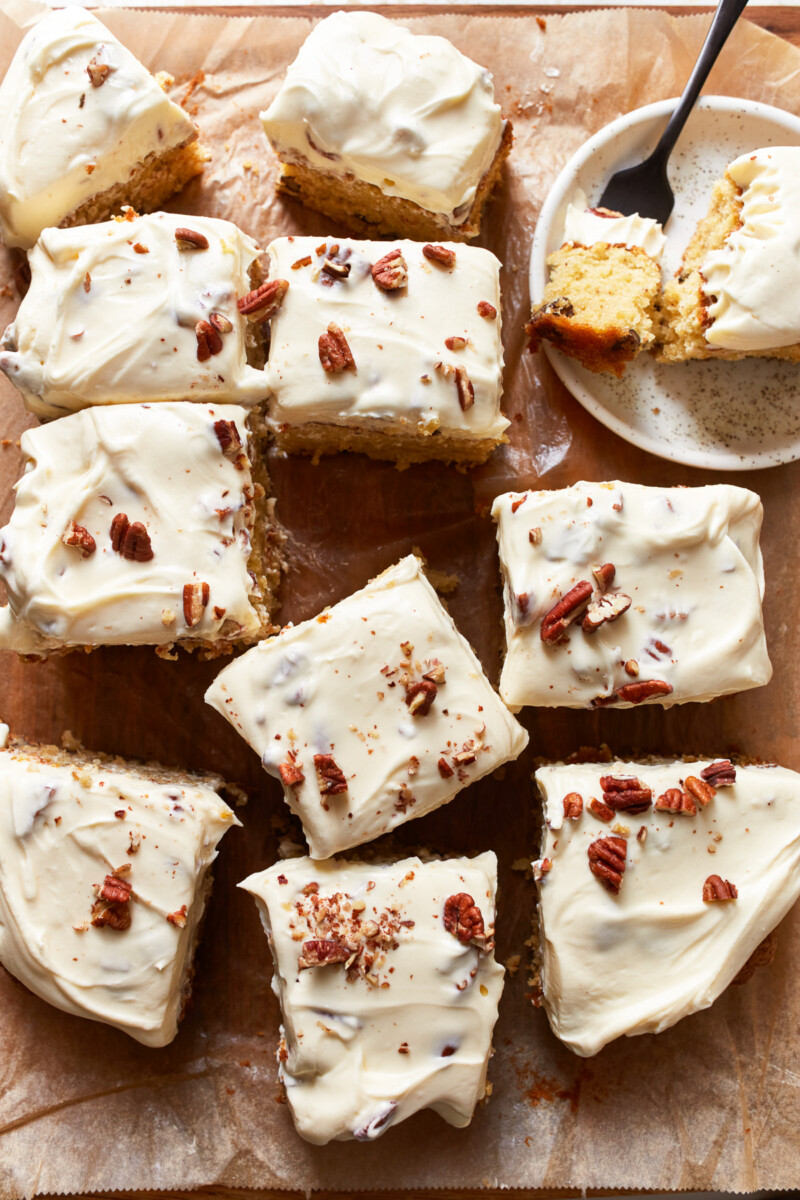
<point x="103" y="882"/>
<point x="657" y="881"/>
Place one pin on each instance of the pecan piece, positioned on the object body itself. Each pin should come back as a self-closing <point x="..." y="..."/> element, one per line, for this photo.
<point x="435" y="672"/>
<point x="132" y="541"/>
<point x="571" y="606"/>
<point x="635" y="693"/>
<point x="600" y="810"/>
<point x="463" y="918"/>
<point x="112" y="907"/>
<point x="487" y="310"/>
<point x="677" y="801"/>
<point x="440" y="255"/>
<point x="390" y="272"/>
<point x="98" y="72"/>
<point x="264" y="301"/>
<point x="420" y="696"/>
<point x="626" y="794"/>
<point x="604" y="575"/>
<point x="209" y="340"/>
<point x="178" y="918"/>
<point x="573" y="806"/>
<point x="320" y="952"/>
<point x="465" y="390"/>
<point x="195" y="599"/>
<point x="703" y="792"/>
<point x="445" y="770"/>
<point x="290" y="772"/>
<point x="228" y="437"/>
<point x="190" y="239"/>
<point x="334" y="352"/>
<point x="330" y="778"/>
<point x="456" y="342"/>
<point x="716" y="888"/>
<point x="719" y="774"/>
<point x="76" y="535"/>
<point x="220" y="322"/>
<point x="607" y="607"/>
<point x="607" y="861"/>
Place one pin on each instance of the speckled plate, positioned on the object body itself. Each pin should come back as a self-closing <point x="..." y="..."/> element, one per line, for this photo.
<point x="718" y="415"/>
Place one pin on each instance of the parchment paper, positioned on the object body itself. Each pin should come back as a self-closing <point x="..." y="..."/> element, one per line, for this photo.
<point x="711" y="1104"/>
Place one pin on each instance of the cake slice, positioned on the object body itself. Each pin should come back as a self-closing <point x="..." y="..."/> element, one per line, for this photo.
<point x="600" y="305"/>
<point x="388" y="987"/>
<point x="138" y="309"/>
<point x="620" y="594"/>
<point x="657" y="881"/>
<point x="84" y="129"/>
<point x="372" y="713"/>
<point x="104" y="878"/>
<point x="392" y="349"/>
<point x="140" y="524"/>
<point x="388" y="131"/>
<point x="731" y="297"/>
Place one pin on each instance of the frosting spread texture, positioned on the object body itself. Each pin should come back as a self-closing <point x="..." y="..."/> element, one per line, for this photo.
<point x="640" y="960"/>
<point x="131" y="526"/>
<point x="677" y="618"/>
<point x="374" y="712"/>
<point x="112" y="312"/>
<point x="65" y="138"/>
<point x="584" y="226"/>
<point x="407" y="113"/>
<point x="404" y="1020"/>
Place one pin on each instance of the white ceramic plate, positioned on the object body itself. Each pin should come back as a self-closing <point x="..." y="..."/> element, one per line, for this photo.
<point x="719" y="415"/>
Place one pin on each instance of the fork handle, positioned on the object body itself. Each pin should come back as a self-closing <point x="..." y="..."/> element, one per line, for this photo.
<point x="726" y="16"/>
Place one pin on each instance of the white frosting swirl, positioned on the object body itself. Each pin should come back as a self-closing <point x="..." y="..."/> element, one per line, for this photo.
<point x="584" y="226"/>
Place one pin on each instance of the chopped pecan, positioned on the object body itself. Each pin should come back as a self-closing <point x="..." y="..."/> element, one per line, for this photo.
<point x="305" y="261"/>
<point x="677" y="801"/>
<point x="76" y="535"/>
<point x="571" y="606"/>
<point x="716" y="888"/>
<point x="330" y="778"/>
<point x="463" y="918"/>
<point x="115" y="889"/>
<point x="642" y="834"/>
<point x="334" y="352"/>
<point x="178" y="918"/>
<point x="229" y="439"/>
<point x="195" y="600"/>
<point x="631" y="668"/>
<point x="435" y="672"/>
<point x="485" y="309"/>
<point x="604" y="575"/>
<point x="264" y="301"/>
<point x="420" y="696"/>
<point x="335" y="270"/>
<point x="573" y="806"/>
<point x="635" y="693"/>
<point x="87" y="282"/>
<point x="600" y="810"/>
<point x="455" y="343"/>
<point x="720" y="774"/>
<point x="220" y="322"/>
<point x="98" y="72"/>
<point x="390" y="272"/>
<point x="440" y="255"/>
<point x="132" y="541"/>
<point x="190" y="239"/>
<point x="703" y="792"/>
<point x="626" y="793"/>
<point x="209" y="341"/>
<point x="290" y="772"/>
<point x="320" y="952"/>
<point x="112" y="907"/>
<point x="465" y="390"/>
<point x="445" y="770"/>
<point x="607" y="861"/>
<point x="606" y="608"/>
<point x="535" y="536"/>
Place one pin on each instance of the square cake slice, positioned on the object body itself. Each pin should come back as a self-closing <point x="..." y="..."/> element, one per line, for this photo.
<point x="600" y="305"/>
<point x="729" y="298"/>
<point x="388" y="131"/>
<point x="140" y="524"/>
<point x="657" y="881"/>
<point x="616" y="593"/>
<point x="137" y="309"/>
<point x="84" y="129"/>
<point x="390" y="349"/>
<point x="372" y="713"/>
<point x="104" y="878"/>
<point x="388" y="987"/>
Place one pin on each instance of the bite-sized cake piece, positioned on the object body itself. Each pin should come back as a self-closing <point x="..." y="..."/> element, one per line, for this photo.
<point x="388" y="131"/>
<point x="104" y="877"/>
<point x="84" y="128"/>
<point x="729" y="298"/>
<point x="135" y="309"/>
<point x="388" y="986"/>
<point x="657" y="881"/>
<point x="140" y="524"/>
<point x="600" y="302"/>
<point x="390" y="349"/>
<point x="620" y="594"/>
<point x="372" y="713"/>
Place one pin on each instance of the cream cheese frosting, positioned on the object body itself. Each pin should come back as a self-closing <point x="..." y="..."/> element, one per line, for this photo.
<point x="67" y="825"/>
<point x="583" y="226"/>
<point x="63" y="139"/>
<point x="161" y="467"/>
<point x="640" y="960"/>
<point x="405" y="375"/>
<point x="406" y="113"/>
<point x="112" y="312"/>
<point x="374" y="712"/>
<point x="753" y="277"/>
<point x="687" y="575"/>
<point x="404" y="1022"/>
